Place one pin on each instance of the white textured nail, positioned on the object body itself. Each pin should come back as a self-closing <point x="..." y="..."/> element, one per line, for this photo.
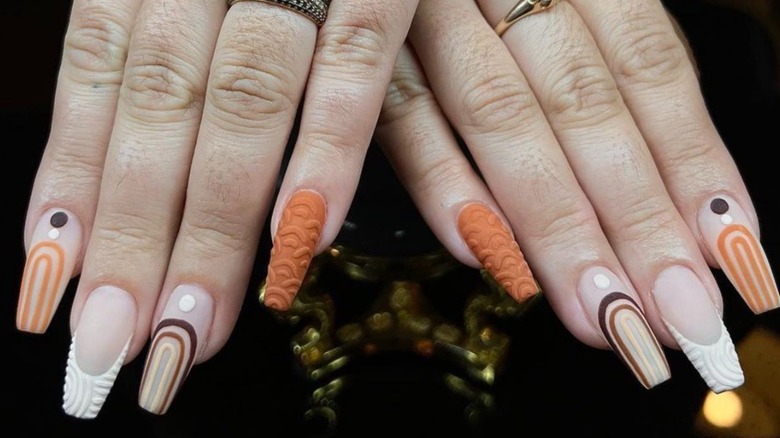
<point x="98" y="350"/>
<point x="607" y="304"/>
<point x="55" y="246"/>
<point x="178" y="338"/>
<point x="694" y="322"/>
<point x="729" y="235"/>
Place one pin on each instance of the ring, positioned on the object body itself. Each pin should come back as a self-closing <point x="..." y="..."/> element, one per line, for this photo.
<point x="523" y="9"/>
<point x="315" y="10"/>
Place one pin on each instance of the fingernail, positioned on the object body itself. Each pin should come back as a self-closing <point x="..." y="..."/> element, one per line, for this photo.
<point x="731" y="239"/>
<point x="182" y="330"/>
<point x="623" y="324"/>
<point x="694" y="322"/>
<point x="493" y="245"/>
<point x="98" y="350"/>
<point x="296" y="238"/>
<point x="55" y="246"/>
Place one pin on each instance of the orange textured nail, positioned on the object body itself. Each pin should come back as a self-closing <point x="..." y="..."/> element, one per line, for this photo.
<point x="494" y="247"/>
<point x="296" y="237"/>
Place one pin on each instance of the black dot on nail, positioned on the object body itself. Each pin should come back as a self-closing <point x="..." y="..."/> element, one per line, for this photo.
<point x="58" y="219"/>
<point x="719" y="206"/>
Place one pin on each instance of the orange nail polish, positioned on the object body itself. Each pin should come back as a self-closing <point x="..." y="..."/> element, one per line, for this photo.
<point x="296" y="237"/>
<point x="494" y="247"/>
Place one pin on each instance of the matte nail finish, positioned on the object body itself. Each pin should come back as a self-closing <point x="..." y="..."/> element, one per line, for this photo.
<point x="621" y="321"/>
<point x="55" y="246"/>
<point x="730" y="237"/>
<point x="177" y="340"/>
<point x="98" y="350"/>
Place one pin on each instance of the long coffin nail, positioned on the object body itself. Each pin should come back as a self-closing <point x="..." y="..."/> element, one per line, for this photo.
<point x="177" y="339"/>
<point x="730" y="238"/>
<point x="694" y="322"/>
<point x="98" y="350"/>
<point x="56" y="242"/>
<point x="296" y="238"/>
<point x="493" y="245"/>
<point x="623" y="324"/>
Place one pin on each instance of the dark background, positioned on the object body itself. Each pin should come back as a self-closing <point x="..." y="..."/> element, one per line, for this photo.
<point x="552" y="384"/>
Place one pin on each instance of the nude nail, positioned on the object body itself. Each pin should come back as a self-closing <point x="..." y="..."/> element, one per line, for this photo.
<point x="609" y="307"/>
<point x="730" y="237"/>
<point x="98" y="350"/>
<point x="55" y="246"/>
<point x="493" y="245"/>
<point x="296" y="239"/>
<point x="694" y="322"/>
<point x="177" y="340"/>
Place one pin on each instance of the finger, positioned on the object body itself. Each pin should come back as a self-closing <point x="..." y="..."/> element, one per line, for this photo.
<point x="599" y="136"/>
<point x="63" y="199"/>
<point x="257" y="77"/>
<point x="490" y="103"/>
<point x="660" y="87"/>
<point x="141" y="194"/>
<point x="352" y="64"/>
<point x="422" y="149"/>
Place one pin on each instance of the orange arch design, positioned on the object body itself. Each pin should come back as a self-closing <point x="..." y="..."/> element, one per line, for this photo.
<point x="746" y="265"/>
<point x="47" y="262"/>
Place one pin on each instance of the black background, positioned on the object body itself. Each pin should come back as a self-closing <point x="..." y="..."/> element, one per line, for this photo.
<point x="553" y="385"/>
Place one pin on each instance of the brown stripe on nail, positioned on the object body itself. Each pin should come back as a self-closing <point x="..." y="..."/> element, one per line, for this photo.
<point x="294" y="244"/>
<point x="170" y="359"/>
<point x="496" y="249"/>
<point x="40" y="284"/>
<point x="628" y="333"/>
<point x="748" y="268"/>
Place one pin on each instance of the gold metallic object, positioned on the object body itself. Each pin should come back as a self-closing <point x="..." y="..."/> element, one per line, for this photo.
<point x="523" y="9"/>
<point x="315" y="10"/>
<point x="400" y="316"/>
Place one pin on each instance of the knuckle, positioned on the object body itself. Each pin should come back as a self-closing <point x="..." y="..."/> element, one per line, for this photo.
<point x="569" y="218"/>
<point x="585" y="93"/>
<point x="498" y="103"/>
<point x="129" y="233"/>
<point x="330" y="146"/>
<point x="649" y="219"/>
<point x="217" y="232"/>
<point x="407" y="93"/>
<point x="73" y="166"/>
<point x="442" y="172"/>
<point x="650" y="53"/>
<point x="244" y="89"/>
<point x="96" y="44"/>
<point x="158" y="78"/>
<point x="358" y="46"/>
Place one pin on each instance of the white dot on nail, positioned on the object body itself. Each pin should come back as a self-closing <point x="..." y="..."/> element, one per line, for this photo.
<point x="601" y="281"/>
<point x="187" y="303"/>
<point x="726" y="219"/>
<point x="54" y="234"/>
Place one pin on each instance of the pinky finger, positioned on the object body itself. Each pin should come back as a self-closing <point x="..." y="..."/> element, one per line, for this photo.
<point x="452" y="198"/>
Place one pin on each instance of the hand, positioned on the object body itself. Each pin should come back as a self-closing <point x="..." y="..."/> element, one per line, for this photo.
<point x="596" y="151"/>
<point x="169" y="126"/>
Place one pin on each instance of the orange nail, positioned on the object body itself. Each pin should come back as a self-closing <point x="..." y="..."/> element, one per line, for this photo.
<point x="296" y="237"/>
<point x="494" y="247"/>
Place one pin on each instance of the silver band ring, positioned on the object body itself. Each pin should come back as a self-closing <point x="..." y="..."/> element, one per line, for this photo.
<point x="315" y="10"/>
<point x="522" y="9"/>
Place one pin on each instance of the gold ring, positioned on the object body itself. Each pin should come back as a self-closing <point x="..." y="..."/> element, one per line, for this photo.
<point x="315" y="10"/>
<point x="522" y="9"/>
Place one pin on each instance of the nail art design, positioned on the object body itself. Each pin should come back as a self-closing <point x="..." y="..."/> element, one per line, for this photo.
<point x="623" y="325"/>
<point x="86" y="393"/>
<point x="171" y="358"/>
<point x="718" y="363"/>
<point x="729" y="236"/>
<point x="496" y="249"/>
<point x="49" y="267"/>
<point x="98" y="350"/>
<point x="296" y="238"/>
<point x="184" y="327"/>
<point x="688" y="312"/>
